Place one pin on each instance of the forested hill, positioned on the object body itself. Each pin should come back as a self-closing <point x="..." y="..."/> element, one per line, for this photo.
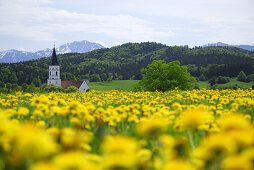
<point x="126" y="61"/>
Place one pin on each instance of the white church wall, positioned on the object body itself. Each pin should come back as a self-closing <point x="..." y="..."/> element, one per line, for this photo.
<point x="54" y="72"/>
<point x="55" y="82"/>
<point x="54" y="76"/>
<point x="84" y="87"/>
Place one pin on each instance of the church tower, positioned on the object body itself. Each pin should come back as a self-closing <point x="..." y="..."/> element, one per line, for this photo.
<point x="54" y="70"/>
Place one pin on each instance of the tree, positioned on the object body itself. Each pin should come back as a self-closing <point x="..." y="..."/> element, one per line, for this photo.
<point x="242" y="77"/>
<point x="31" y="88"/>
<point x="103" y="76"/>
<point x="24" y="86"/>
<point x="202" y="78"/>
<point x="110" y="77"/>
<point x="163" y="76"/>
<point x="213" y="81"/>
<point x="36" y="82"/>
<point x="8" y="86"/>
<point x="2" y="85"/>
<point x="13" y="78"/>
<point x="95" y="78"/>
<point x="223" y="80"/>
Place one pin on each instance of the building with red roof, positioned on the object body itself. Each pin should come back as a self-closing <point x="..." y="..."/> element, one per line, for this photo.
<point x="54" y="76"/>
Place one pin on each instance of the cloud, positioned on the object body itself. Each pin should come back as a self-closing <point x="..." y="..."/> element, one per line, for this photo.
<point x="166" y="21"/>
<point x="228" y="20"/>
<point x="32" y="19"/>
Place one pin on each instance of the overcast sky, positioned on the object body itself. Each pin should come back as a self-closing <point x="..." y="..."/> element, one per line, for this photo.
<point x="32" y="25"/>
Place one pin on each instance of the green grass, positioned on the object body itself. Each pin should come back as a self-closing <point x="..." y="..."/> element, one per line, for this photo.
<point x="203" y="84"/>
<point x="127" y="85"/>
<point x="113" y="85"/>
<point x="233" y="82"/>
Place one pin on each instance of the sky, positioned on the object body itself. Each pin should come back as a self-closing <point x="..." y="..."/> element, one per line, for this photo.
<point x="33" y="25"/>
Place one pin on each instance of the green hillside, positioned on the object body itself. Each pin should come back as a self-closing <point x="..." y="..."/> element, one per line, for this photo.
<point x="125" y="62"/>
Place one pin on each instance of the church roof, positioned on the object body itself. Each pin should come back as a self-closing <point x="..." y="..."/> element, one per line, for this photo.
<point x="76" y="83"/>
<point x="54" y="61"/>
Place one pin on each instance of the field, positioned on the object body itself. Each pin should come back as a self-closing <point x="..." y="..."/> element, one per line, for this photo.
<point x="233" y="82"/>
<point x="178" y="130"/>
<point x="113" y="85"/>
<point x="128" y="85"/>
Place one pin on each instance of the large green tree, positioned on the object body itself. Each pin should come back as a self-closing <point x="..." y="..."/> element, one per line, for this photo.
<point x="163" y="76"/>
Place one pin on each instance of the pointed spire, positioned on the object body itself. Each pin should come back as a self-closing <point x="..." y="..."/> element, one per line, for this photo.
<point x="54" y="58"/>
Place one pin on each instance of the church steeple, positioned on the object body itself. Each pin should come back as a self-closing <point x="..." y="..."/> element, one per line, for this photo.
<point x="54" y="70"/>
<point x="54" y="61"/>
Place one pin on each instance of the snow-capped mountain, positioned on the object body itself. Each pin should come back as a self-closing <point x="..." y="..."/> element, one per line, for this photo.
<point x="14" y="56"/>
<point x="78" y="47"/>
<point x="245" y="47"/>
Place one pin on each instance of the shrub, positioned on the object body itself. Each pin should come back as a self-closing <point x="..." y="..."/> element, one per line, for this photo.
<point x="31" y="88"/>
<point x="213" y="81"/>
<point x="242" y="77"/>
<point x="24" y="86"/>
<point x="71" y="89"/>
<point x="3" y="90"/>
<point x="223" y="80"/>
<point x="51" y="88"/>
<point x="202" y="77"/>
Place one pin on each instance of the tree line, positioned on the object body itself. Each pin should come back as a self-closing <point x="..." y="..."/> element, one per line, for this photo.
<point x="125" y="62"/>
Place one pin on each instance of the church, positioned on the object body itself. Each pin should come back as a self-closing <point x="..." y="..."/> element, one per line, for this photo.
<point x="54" y="76"/>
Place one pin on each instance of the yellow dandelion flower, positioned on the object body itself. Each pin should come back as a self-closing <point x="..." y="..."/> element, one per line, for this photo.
<point x="75" y="121"/>
<point x="71" y="138"/>
<point x="191" y="119"/>
<point x="23" y="111"/>
<point x="234" y="122"/>
<point x="120" y="161"/>
<point x="74" y="160"/>
<point x="144" y="157"/>
<point x="236" y="162"/>
<point x="119" y="144"/>
<point x="41" y="124"/>
<point x="151" y="126"/>
<point x="32" y="143"/>
<point x="43" y="166"/>
<point x="178" y="164"/>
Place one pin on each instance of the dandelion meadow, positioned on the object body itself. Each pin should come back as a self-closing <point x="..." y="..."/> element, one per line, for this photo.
<point x="176" y="130"/>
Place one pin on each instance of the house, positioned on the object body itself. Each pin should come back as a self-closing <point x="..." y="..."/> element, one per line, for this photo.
<point x="54" y="76"/>
<point x="80" y="84"/>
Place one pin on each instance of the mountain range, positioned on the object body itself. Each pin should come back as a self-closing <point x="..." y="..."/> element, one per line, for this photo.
<point x="14" y="56"/>
<point x="245" y="47"/>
